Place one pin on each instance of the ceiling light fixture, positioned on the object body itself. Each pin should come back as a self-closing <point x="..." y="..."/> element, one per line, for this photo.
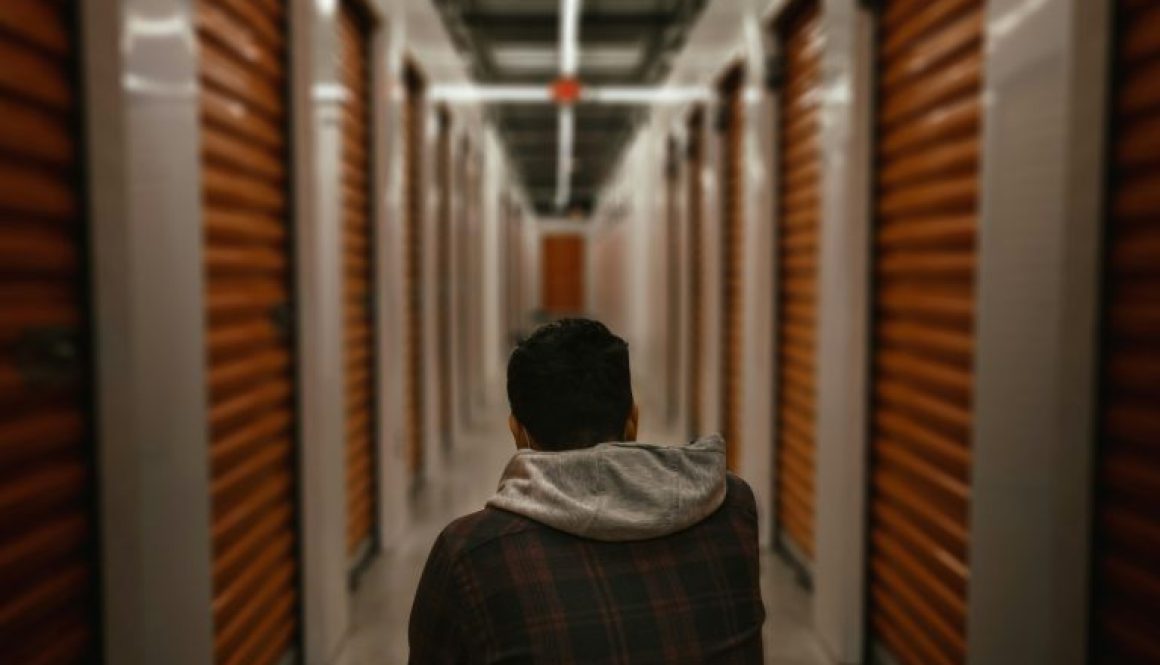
<point x="569" y="60"/>
<point x="544" y="58"/>
<point x="508" y="94"/>
<point x="545" y="94"/>
<point x="569" y="37"/>
<point x="644" y="95"/>
<point x="564" y="156"/>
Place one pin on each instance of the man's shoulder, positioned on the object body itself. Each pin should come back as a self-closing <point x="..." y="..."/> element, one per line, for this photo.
<point x="480" y="528"/>
<point x="738" y="493"/>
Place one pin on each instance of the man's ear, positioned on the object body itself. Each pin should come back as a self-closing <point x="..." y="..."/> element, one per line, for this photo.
<point x="519" y="433"/>
<point x="631" y="424"/>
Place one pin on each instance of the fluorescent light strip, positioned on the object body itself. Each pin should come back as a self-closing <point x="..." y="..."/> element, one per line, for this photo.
<point x="643" y="95"/>
<point x="542" y="94"/>
<point x="546" y="59"/>
<point x="564" y="156"/>
<point x="538" y="94"/>
<point x="569" y="62"/>
<point x="569" y="37"/>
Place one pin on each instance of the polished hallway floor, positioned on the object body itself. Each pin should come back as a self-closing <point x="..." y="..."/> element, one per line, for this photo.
<point x="383" y="599"/>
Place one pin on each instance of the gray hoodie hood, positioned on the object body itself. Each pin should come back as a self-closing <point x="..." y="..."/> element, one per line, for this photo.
<point x="617" y="491"/>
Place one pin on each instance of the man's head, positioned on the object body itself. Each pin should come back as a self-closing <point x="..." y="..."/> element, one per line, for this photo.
<point x="569" y="387"/>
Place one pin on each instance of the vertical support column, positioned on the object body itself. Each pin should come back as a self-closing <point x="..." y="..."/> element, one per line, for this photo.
<point x="843" y="331"/>
<point x="141" y="80"/>
<point x="390" y="303"/>
<point x="317" y="107"/>
<point x="429" y="200"/>
<point x="1039" y="240"/>
<point x="694" y="227"/>
<point x="758" y="276"/>
<point x="711" y="283"/>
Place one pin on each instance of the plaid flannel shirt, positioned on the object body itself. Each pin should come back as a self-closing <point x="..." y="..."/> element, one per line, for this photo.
<point x="501" y="588"/>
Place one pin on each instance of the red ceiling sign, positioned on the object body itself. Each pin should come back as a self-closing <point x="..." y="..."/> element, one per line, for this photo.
<point x="566" y="90"/>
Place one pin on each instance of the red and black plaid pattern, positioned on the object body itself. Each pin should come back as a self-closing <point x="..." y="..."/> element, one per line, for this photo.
<point x="500" y="588"/>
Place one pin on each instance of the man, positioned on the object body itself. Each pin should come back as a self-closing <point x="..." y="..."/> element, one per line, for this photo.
<point x="595" y="549"/>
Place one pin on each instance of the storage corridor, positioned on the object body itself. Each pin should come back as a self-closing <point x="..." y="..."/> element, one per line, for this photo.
<point x="264" y="266"/>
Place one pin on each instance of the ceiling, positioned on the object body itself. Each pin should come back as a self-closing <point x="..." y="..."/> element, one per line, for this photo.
<point x="622" y="42"/>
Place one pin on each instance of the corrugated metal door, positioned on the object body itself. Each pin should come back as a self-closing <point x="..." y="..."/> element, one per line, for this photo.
<point x="798" y="214"/>
<point x="358" y="278"/>
<point x="694" y="198"/>
<point x="929" y="71"/>
<point x="563" y="274"/>
<point x="731" y="124"/>
<point x="414" y="125"/>
<point x="253" y="458"/>
<point x="48" y="609"/>
<point x="1126" y="595"/>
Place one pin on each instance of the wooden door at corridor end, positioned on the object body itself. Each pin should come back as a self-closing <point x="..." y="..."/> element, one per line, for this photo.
<point x="799" y="215"/>
<point x="1126" y="552"/>
<point x="48" y="540"/>
<point x="414" y="125"/>
<point x="562" y="276"/>
<point x="354" y="58"/>
<point x="731" y="125"/>
<point x="928" y="62"/>
<point x="249" y="295"/>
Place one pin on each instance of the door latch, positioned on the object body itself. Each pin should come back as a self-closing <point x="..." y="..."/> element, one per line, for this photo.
<point x="49" y="356"/>
<point x="282" y="316"/>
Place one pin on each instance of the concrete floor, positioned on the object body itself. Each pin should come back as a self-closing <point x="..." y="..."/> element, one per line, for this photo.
<point x="382" y="601"/>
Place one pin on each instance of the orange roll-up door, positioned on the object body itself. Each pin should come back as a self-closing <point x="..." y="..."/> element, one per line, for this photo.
<point x="48" y="542"/>
<point x="798" y="214"/>
<point x="1126" y="596"/>
<point x="358" y="278"/>
<point x="731" y="124"/>
<point x="413" y="185"/>
<point x="929" y="69"/>
<point x="694" y="198"/>
<point x="253" y="458"/>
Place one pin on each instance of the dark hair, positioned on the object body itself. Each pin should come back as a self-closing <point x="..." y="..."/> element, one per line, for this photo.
<point x="569" y="385"/>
